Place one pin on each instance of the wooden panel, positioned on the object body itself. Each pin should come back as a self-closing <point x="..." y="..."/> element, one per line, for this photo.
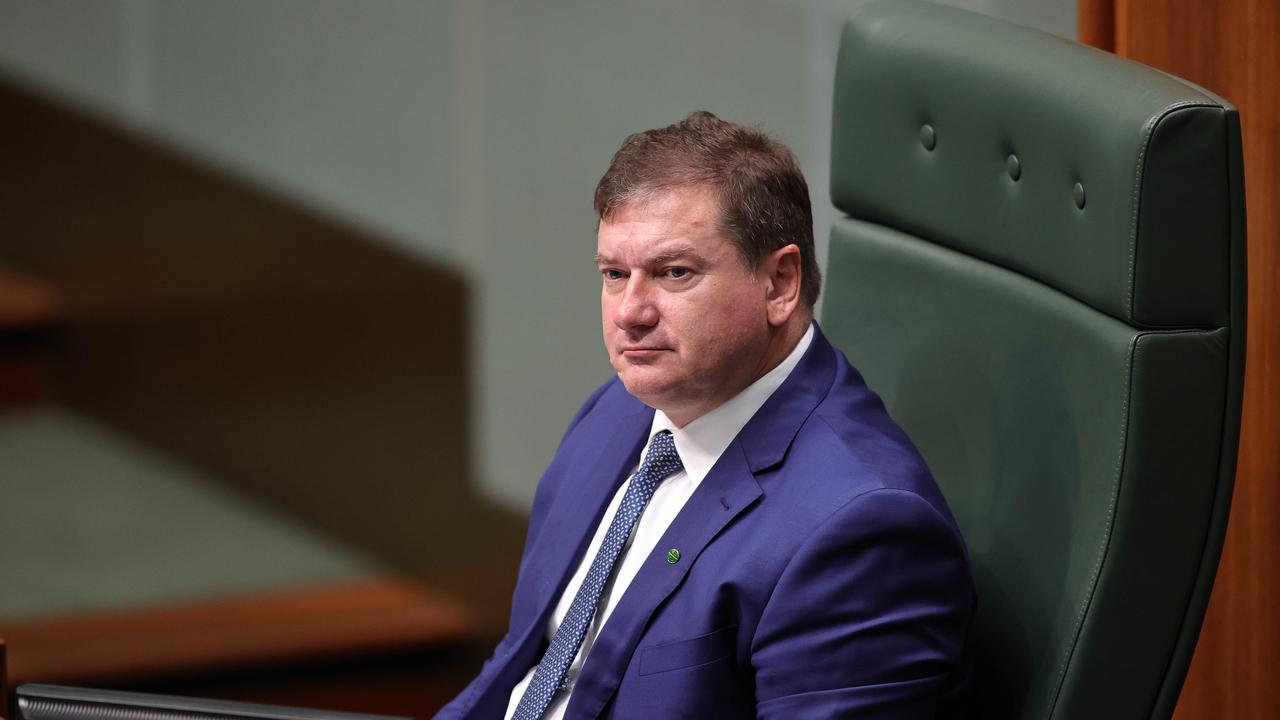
<point x="4" y="683"/>
<point x="380" y="646"/>
<point x="297" y="359"/>
<point x="24" y="302"/>
<point x="371" y="617"/>
<point x="1097" y="23"/>
<point x="1231" y="48"/>
<point x="415" y="686"/>
<point x="28" y="309"/>
<point x="305" y="362"/>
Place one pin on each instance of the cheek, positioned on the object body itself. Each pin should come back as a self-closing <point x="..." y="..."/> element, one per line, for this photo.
<point x="711" y="335"/>
<point x="734" y="313"/>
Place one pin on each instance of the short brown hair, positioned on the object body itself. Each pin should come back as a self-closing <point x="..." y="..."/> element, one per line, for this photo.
<point x="764" y="200"/>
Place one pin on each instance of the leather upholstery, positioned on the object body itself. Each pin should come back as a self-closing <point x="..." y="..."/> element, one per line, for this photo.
<point x="1142" y="249"/>
<point x="1071" y="374"/>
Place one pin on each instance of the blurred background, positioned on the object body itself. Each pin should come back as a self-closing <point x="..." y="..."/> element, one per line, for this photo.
<point x="296" y="299"/>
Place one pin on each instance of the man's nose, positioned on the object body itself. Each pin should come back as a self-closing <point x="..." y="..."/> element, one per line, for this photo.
<point x="636" y="308"/>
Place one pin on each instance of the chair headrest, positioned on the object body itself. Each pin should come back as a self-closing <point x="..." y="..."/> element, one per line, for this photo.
<point x="1103" y="178"/>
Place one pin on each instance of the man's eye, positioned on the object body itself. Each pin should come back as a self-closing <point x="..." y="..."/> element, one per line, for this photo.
<point x="677" y="272"/>
<point x="612" y="274"/>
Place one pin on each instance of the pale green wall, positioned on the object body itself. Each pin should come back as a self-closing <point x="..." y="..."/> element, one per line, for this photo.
<point x="468" y="132"/>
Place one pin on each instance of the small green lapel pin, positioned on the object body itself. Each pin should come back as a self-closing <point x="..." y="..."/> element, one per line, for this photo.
<point x="673" y="556"/>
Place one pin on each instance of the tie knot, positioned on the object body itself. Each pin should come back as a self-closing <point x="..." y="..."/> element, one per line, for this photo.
<point x="662" y="460"/>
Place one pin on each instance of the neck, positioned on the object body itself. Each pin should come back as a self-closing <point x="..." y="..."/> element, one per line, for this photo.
<point x="783" y="342"/>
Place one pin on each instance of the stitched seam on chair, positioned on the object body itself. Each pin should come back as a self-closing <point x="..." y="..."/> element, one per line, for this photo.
<point x="1110" y="527"/>
<point x="1149" y="132"/>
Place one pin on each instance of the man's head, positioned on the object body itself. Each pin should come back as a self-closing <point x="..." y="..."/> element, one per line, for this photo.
<point x="761" y="193"/>
<point x="706" y="251"/>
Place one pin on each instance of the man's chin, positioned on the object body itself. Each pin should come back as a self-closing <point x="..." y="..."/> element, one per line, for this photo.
<point x="648" y="390"/>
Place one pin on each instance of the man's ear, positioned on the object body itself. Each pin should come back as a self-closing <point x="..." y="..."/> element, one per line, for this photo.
<point x="780" y="271"/>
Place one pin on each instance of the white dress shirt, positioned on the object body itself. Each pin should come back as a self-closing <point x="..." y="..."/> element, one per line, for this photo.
<point x="700" y="444"/>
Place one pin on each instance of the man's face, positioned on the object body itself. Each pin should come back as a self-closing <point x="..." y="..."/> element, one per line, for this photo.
<point x="685" y="321"/>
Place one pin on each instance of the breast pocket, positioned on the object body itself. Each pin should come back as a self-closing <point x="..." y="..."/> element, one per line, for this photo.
<point x="678" y="654"/>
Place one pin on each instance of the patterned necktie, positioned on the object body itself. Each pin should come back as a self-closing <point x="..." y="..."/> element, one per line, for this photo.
<point x="659" y="463"/>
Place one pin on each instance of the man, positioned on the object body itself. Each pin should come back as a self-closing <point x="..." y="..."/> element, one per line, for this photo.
<point x="733" y="526"/>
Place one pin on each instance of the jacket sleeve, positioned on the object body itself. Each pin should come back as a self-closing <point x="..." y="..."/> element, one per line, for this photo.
<point x="870" y="617"/>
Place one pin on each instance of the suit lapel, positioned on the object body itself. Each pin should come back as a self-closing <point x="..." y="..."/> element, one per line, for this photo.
<point x="729" y="490"/>
<point x="567" y="528"/>
<point x="577" y="512"/>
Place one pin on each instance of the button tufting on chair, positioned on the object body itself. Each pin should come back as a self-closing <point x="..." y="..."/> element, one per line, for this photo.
<point x="928" y="138"/>
<point x="1013" y="167"/>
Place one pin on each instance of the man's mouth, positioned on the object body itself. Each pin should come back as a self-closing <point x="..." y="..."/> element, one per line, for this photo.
<point x="643" y="352"/>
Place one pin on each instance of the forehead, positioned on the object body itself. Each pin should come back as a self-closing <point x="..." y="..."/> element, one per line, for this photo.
<point x="682" y="215"/>
<point x="696" y="205"/>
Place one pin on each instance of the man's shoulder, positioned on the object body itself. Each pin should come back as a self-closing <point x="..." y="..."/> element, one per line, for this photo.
<point x="850" y="445"/>
<point x="603" y="409"/>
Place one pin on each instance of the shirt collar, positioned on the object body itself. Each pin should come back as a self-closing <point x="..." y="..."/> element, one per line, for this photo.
<point x="701" y="442"/>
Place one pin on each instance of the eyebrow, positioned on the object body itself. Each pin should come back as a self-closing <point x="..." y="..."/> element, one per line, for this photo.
<point x="677" y="254"/>
<point x="661" y="258"/>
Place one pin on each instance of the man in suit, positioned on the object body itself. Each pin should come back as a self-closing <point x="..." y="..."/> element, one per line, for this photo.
<point x="732" y="526"/>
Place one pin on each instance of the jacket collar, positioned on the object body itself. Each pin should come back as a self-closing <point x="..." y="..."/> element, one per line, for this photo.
<point x="767" y="436"/>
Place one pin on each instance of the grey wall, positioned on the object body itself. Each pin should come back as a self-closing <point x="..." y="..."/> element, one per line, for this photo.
<point x="469" y="133"/>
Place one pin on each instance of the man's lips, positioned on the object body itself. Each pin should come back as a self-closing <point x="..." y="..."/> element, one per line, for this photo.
<point x="643" y="352"/>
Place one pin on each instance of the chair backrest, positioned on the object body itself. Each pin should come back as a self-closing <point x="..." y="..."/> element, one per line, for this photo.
<point x="1042" y="272"/>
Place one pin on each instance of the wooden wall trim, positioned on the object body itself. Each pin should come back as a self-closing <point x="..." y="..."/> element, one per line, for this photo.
<point x="378" y="615"/>
<point x="4" y="683"/>
<point x="299" y="360"/>
<point x="1097" y="26"/>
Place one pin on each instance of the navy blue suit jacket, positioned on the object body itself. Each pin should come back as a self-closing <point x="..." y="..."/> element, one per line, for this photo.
<point x="821" y="574"/>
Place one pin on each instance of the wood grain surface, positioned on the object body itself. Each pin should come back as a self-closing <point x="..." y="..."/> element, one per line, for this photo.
<point x="378" y="615"/>
<point x="300" y="360"/>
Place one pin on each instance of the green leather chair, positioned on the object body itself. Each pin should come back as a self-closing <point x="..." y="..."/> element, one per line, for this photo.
<point x="1042" y="272"/>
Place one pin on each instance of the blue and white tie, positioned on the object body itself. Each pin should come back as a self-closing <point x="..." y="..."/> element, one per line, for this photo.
<point x="660" y="462"/>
